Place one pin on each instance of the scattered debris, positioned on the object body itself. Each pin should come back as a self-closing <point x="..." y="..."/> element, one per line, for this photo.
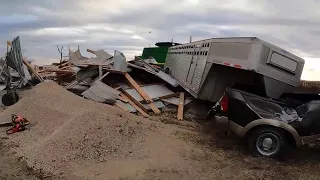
<point x="116" y="81"/>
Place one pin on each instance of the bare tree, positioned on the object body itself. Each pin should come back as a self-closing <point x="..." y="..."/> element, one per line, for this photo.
<point x="60" y="50"/>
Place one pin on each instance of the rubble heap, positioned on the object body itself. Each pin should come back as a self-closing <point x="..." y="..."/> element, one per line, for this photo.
<point x="136" y="86"/>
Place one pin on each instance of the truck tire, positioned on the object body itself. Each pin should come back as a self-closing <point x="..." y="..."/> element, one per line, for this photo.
<point x="268" y="142"/>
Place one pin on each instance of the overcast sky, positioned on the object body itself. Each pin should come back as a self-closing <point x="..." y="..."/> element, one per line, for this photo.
<point x="130" y="25"/>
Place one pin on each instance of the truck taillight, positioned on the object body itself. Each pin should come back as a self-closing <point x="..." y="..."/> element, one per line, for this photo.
<point x="224" y="103"/>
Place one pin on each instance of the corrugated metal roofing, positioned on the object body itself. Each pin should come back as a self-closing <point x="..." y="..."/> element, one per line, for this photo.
<point x="102" y="93"/>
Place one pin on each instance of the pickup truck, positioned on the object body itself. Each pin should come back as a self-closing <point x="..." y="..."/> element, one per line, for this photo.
<point x="269" y="127"/>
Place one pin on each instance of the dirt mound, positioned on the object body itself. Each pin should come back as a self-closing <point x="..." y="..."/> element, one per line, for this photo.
<point x="66" y="128"/>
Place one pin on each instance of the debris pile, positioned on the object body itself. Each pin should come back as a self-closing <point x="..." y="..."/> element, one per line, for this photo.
<point x="136" y="86"/>
<point x="15" y="72"/>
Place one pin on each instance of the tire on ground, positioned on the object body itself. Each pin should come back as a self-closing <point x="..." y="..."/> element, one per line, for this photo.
<point x="266" y="131"/>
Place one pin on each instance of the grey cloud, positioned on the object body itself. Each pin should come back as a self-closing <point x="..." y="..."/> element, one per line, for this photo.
<point x="292" y="26"/>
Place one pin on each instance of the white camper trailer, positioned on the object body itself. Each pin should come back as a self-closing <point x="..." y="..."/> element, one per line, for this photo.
<point x="205" y="68"/>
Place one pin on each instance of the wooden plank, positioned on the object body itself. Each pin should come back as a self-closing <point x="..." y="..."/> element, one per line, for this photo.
<point x="32" y="70"/>
<point x="154" y="108"/>
<point x="121" y="106"/>
<point x="144" y="114"/>
<point x="100" y="78"/>
<point x="181" y="106"/>
<point x="142" y="93"/>
<point x="123" y="99"/>
<point x="169" y="96"/>
<point x="134" y="100"/>
<point x="136" y="86"/>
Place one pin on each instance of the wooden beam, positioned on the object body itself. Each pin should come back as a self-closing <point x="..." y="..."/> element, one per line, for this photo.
<point x="32" y="70"/>
<point x="144" y="114"/>
<point x="100" y="78"/>
<point x="136" y="86"/>
<point x="169" y="96"/>
<point x="181" y="106"/>
<point x="154" y="108"/>
<point x="134" y="100"/>
<point x="123" y="99"/>
<point x="142" y="93"/>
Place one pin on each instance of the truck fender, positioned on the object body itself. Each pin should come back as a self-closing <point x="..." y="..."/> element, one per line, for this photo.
<point x="242" y="131"/>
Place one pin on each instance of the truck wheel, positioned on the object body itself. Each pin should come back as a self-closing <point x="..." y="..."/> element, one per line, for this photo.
<point x="268" y="142"/>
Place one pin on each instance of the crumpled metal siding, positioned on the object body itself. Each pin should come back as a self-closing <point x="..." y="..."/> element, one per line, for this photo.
<point x="14" y="60"/>
<point x="102" y="93"/>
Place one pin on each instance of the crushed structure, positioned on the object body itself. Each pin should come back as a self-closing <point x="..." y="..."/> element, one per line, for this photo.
<point x="136" y="86"/>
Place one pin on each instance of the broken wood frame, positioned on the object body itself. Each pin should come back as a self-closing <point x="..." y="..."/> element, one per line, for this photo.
<point x="134" y="105"/>
<point x="143" y="94"/>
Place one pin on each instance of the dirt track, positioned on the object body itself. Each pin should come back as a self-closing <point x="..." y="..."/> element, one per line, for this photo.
<point x="129" y="147"/>
<point x="223" y="157"/>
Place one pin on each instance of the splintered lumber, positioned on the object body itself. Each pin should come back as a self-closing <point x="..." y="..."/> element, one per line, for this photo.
<point x="125" y="93"/>
<point x="144" y="114"/>
<point x="181" y="106"/>
<point x="33" y="71"/>
<point x="138" y="88"/>
<point x="142" y="93"/>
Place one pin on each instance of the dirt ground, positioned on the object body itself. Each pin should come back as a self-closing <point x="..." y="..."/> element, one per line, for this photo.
<point x="103" y="142"/>
<point x="222" y="157"/>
